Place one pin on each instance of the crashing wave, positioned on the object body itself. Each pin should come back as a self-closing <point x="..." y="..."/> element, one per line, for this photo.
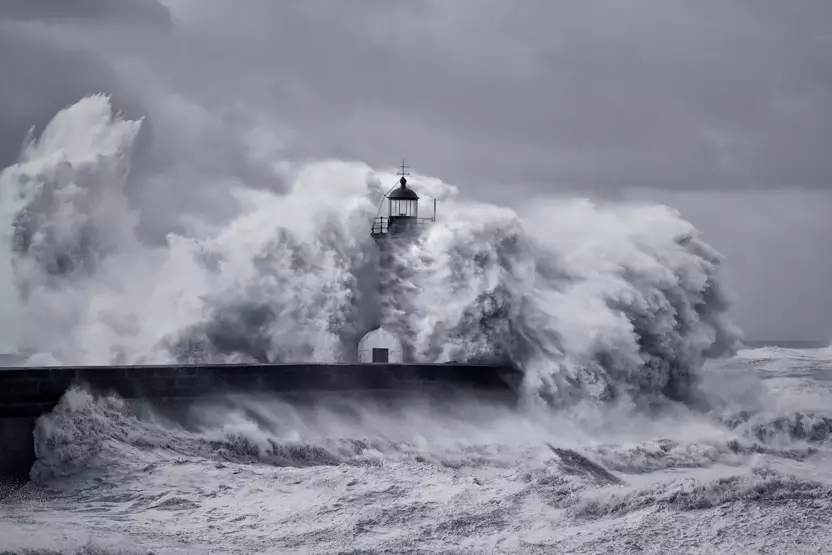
<point x="608" y="302"/>
<point x="66" y="193"/>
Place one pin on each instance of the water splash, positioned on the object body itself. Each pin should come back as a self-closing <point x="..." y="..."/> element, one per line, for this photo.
<point x="609" y="302"/>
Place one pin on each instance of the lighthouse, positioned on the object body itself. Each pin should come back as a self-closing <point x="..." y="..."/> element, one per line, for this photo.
<point x="397" y="227"/>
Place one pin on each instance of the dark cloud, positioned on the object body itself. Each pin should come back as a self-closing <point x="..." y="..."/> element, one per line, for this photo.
<point x="662" y="94"/>
<point x="603" y="95"/>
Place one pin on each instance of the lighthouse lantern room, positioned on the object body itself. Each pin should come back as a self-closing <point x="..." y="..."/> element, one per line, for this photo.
<point x="402" y="211"/>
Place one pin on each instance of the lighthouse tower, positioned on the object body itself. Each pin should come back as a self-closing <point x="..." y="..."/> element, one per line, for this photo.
<point x="396" y="230"/>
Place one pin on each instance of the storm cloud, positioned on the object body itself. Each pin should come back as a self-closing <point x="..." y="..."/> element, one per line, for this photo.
<point x="605" y="94"/>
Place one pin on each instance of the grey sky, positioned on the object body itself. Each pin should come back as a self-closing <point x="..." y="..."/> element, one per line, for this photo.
<point x="722" y="108"/>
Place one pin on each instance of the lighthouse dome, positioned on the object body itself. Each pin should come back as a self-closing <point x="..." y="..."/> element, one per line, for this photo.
<point x="403" y="192"/>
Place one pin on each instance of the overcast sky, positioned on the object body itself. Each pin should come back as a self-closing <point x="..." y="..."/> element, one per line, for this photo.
<point x="720" y="108"/>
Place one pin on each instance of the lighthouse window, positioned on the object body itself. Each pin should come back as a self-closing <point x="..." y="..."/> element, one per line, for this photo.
<point x="403" y="208"/>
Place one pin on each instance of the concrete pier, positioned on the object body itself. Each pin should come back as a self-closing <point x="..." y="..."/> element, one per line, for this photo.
<point x="27" y="393"/>
<point x="17" y="448"/>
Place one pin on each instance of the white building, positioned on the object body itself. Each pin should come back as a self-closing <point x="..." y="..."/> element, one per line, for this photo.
<point x="380" y="346"/>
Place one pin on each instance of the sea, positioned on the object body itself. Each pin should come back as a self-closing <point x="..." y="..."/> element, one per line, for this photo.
<point x="648" y="424"/>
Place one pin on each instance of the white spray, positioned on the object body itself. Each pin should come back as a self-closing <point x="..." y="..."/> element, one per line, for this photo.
<point x="589" y="300"/>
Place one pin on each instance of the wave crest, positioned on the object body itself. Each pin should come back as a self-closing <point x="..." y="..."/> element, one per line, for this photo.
<point x="762" y="486"/>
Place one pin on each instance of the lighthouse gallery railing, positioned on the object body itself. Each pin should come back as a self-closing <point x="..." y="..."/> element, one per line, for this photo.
<point x="381" y="225"/>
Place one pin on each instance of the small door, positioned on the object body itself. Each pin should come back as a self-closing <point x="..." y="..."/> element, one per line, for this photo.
<point x="381" y="355"/>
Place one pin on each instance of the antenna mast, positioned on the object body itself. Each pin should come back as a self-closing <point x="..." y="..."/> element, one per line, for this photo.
<point x="403" y="169"/>
<point x="403" y="173"/>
